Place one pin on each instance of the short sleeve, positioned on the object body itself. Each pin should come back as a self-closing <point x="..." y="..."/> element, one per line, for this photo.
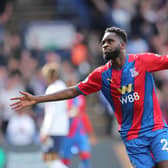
<point x="154" y="62"/>
<point x="92" y="83"/>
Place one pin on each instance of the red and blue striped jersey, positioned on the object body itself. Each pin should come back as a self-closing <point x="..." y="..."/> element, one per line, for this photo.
<point x="131" y="92"/>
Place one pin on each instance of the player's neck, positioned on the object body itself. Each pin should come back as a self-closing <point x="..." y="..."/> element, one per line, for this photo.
<point x="119" y="61"/>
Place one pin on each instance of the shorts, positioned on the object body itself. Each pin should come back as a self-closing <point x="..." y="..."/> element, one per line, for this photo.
<point x="146" y="151"/>
<point x="81" y="142"/>
<point x="53" y="144"/>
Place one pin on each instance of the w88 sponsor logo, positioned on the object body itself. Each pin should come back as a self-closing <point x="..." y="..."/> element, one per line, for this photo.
<point x="130" y="98"/>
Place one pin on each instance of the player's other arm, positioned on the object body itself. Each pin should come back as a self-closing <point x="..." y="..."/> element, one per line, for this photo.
<point x="91" y="85"/>
<point x="28" y="100"/>
<point x="154" y="62"/>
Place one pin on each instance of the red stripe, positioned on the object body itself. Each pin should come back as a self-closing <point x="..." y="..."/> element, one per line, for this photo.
<point x="139" y="104"/>
<point x="116" y="83"/>
<point x="157" y="114"/>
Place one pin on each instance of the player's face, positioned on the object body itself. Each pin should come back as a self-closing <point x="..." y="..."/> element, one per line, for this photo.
<point x="110" y="46"/>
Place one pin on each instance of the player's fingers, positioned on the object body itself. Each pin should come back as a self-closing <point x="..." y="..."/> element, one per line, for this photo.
<point x="24" y="93"/>
<point x="17" y="107"/>
<point x="14" y="104"/>
<point x="16" y="98"/>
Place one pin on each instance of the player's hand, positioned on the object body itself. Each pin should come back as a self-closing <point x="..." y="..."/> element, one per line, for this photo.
<point x="23" y="101"/>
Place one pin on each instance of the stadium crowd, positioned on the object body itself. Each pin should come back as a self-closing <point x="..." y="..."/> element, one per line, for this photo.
<point x="146" y="22"/>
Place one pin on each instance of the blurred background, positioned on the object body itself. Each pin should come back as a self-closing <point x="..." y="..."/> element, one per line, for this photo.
<point x="35" y="32"/>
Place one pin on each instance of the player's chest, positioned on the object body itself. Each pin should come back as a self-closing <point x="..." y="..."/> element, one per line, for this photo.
<point x="123" y="81"/>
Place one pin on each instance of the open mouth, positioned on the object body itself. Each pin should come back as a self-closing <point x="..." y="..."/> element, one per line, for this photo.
<point x="106" y="50"/>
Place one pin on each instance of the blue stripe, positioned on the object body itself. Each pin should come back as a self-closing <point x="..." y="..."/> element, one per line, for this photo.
<point x="163" y="119"/>
<point x="127" y="109"/>
<point x="106" y="88"/>
<point x="147" y="118"/>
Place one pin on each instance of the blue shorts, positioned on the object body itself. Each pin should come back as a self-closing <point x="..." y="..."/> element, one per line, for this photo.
<point x="146" y="151"/>
<point x="80" y="141"/>
<point x="53" y="144"/>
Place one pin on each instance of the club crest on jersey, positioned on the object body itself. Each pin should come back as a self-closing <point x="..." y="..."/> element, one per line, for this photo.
<point x="134" y="73"/>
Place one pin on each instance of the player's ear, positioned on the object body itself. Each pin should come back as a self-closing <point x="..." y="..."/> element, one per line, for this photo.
<point x="123" y="45"/>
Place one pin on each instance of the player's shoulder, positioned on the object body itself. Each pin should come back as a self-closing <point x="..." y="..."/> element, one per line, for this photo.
<point x="139" y="56"/>
<point x="103" y="68"/>
<point x="97" y="72"/>
<point x="133" y="57"/>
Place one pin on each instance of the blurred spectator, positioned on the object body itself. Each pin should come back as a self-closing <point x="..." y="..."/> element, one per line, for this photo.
<point x="6" y="8"/>
<point x="99" y="14"/>
<point x="137" y="44"/>
<point x="68" y="69"/>
<point x="79" y="51"/>
<point x="2" y="10"/>
<point x="76" y="11"/>
<point x="84" y="14"/>
<point x="3" y="76"/>
<point x="21" y="129"/>
<point x="79" y="55"/>
<point x="51" y="56"/>
<point x="3" y="59"/>
<point x="15" y="45"/>
<point x="12" y="87"/>
<point x="119" y="16"/>
<point x="2" y="6"/>
<point x="141" y="23"/>
<point x="28" y="66"/>
<point x="13" y="64"/>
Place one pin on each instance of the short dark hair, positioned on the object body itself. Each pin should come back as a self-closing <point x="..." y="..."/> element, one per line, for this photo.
<point x="119" y="32"/>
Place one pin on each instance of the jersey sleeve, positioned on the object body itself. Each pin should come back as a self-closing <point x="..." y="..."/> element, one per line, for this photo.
<point x="154" y="62"/>
<point x="92" y="83"/>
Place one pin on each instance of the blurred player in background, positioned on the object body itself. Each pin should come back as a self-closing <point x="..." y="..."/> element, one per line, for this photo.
<point x="55" y="124"/>
<point x="81" y="132"/>
<point x="127" y="83"/>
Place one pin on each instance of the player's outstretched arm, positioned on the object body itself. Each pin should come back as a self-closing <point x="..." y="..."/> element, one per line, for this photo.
<point x="28" y="100"/>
